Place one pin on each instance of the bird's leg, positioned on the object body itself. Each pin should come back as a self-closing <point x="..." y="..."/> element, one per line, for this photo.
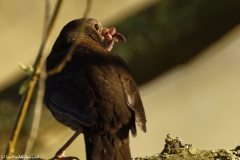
<point x="60" y="153"/>
<point x="110" y="35"/>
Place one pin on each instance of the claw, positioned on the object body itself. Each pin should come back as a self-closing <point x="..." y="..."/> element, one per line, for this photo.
<point x="65" y="158"/>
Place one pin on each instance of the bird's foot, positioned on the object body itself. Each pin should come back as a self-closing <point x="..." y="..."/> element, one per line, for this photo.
<point x="61" y="156"/>
<point x="65" y="158"/>
<point x="111" y="36"/>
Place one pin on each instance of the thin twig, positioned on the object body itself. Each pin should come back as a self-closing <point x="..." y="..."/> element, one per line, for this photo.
<point x="40" y="92"/>
<point x="88" y="9"/>
<point x="33" y="79"/>
<point x="46" y="18"/>
<point x="68" y="57"/>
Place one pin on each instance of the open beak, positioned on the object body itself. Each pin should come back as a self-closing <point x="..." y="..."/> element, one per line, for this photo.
<point x="111" y="36"/>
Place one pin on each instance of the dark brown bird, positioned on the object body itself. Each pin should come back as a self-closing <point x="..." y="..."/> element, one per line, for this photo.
<point x="94" y="94"/>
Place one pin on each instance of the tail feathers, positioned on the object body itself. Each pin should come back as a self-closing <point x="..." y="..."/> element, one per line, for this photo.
<point x="123" y="152"/>
<point x="102" y="148"/>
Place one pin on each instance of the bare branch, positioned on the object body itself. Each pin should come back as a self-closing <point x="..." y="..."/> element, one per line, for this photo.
<point x="33" y="79"/>
<point x="40" y="92"/>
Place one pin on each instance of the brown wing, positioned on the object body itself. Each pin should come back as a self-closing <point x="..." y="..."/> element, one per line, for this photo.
<point x="69" y="93"/>
<point x="131" y="92"/>
<point x="134" y="101"/>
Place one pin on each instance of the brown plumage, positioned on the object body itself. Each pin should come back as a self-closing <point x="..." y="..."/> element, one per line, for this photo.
<point x="95" y="93"/>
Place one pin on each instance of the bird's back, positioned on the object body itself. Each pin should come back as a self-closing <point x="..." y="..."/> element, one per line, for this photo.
<point x="91" y="78"/>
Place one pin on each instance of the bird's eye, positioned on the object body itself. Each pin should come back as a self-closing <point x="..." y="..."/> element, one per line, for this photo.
<point x="96" y="26"/>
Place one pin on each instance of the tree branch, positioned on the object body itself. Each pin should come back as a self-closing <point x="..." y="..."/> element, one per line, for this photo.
<point x="33" y="79"/>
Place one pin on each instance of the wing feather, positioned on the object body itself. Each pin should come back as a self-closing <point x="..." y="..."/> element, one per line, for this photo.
<point x="69" y="93"/>
<point x="131" y="93"/>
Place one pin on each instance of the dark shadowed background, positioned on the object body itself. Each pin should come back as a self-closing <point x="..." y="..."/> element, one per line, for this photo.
<point x="183" y="54"/>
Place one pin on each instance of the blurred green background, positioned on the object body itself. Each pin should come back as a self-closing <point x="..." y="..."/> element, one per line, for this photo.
<point x="183" y="54"/>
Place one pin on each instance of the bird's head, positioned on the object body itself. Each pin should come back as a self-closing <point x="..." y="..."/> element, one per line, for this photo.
<point x="92" y="29"/>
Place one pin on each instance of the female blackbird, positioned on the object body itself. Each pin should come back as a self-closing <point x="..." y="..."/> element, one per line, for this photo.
<point x="94" y="93"/>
